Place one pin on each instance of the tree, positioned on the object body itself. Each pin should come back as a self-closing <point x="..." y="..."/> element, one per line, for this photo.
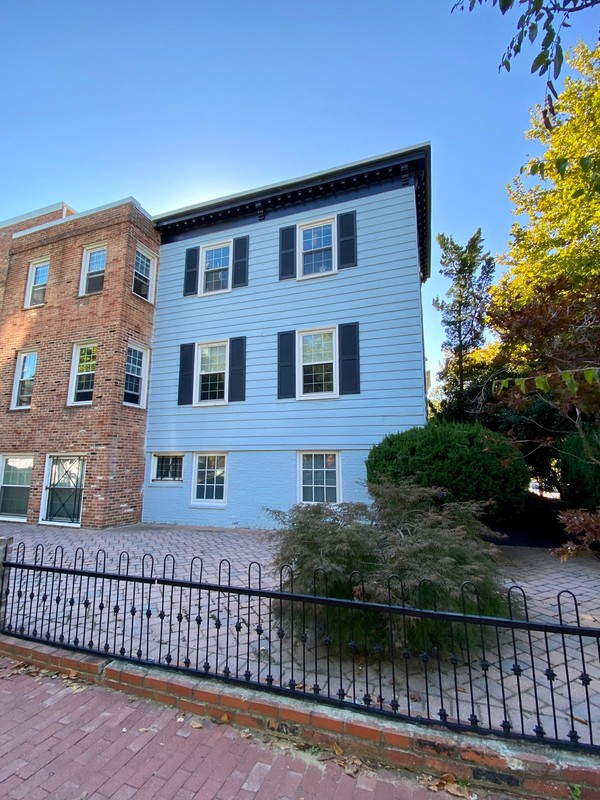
<point x="547" y="17"/>
<point x="555" y="237"/>
<point x="463" y="314"/>
<point x="546" y="308"/>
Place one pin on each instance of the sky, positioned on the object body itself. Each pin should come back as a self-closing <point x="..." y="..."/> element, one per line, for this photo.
<point x="181" y="102"/>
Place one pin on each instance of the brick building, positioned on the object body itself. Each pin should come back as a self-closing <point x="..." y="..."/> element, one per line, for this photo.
<point x="76" y="319"/>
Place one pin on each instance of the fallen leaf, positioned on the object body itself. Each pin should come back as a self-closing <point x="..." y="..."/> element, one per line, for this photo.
<point x="245" y="734"/>
<point x="180" y="719"/>
<point x="195" y="724"/>
<point x="223" y="719"/>
<point x="337" y="749"/>
<point x="457" y="791"/>
<point x="143" y="730"/>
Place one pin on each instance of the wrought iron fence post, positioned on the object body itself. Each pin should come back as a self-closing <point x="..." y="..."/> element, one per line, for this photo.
<point x="5" y="547"/>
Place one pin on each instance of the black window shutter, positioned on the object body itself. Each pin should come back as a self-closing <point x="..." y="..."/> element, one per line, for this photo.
<point x="286" y="365"/>
<point x="186" y="374"/>
<point x="240" y="262"/>
<point x="349" y="358"/>
<point x="346" y="240"/>
<point x="287" y="253"/>
<point x="190" y="281"/>
<point x="237" y="369"/>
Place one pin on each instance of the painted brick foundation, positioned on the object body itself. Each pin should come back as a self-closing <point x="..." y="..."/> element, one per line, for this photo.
<point x="513" y="769"/>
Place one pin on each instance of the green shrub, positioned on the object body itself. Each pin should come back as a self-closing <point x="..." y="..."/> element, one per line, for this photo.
<point x="431" y="546"/>
<point x="469" y="461"/>
<point x="580" y="476"/>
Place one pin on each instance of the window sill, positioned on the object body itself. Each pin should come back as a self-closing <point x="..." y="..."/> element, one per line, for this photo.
<point x="36" y="305"/>
<point x="169" y="484"/>
<point x="20" y="408"/>
<point x="83" y="403"/>
<point x="208" y="504"/>
<point x="205" y="403"/>
<point x="328" y="396"/>
<point x="58" y="524"/>
<point x="12" y="519"/>
<point x="134" y="405"/>
<point x="317" y="275"/>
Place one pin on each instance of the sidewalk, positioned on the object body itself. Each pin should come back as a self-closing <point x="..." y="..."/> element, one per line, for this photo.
<point x="61" y="739"/>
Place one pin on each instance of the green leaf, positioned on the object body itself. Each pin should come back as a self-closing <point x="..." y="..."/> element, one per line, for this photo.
<point x="533" y="31"/>
<point x="534" y="168"/>
<point x="569" y="381"/>
<point x="539" y="61"/>
<point x="558" y="61"/>
<point x="520" y="384"/>
<point x="585" y="163"/>
<point x="578" y="193"/>
<point x="505" y="383"/>
<point x="541" y="383"/>
<point x="505" y="5"/>
<point x="561" y="166"/>
<point x="541" y="169"/>
<point x="591" y="374"/>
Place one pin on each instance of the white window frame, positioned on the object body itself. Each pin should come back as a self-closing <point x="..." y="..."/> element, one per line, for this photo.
<point x="3" y="458"/>
<point x="220" y="503"/>
<point x="300" y="394"/>
<point x="338" y="474"/>
<point x="300" y="250"/>
<point x="197" y="374"/>
<point x="21" y="355"/>
<point x="143" y="377"/>
<point x="167" y="481"/>
<point x="33" y="265"/>
<point x="87" y="252"/>
<point x="77" y="347"/>
<point x="203" y="251"/>
<point x="152" y="278"/>
<point x="47" y="474"/>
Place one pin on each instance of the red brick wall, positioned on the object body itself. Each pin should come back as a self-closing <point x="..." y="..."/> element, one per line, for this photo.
<point x="109" y="434"/>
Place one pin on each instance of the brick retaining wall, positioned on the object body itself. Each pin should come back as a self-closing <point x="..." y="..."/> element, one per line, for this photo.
<point x="515" y="769"/>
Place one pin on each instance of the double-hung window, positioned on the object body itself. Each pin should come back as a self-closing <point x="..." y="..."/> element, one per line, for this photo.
<point x="216" y="268"/>
<point x="318" y="248"/>
<point x="93" y="269"/>
<point x="319" y="478"/>
<point x="15" y="481"/>
<point x="136" y="376"/>
<point x="24" y="378"/>
<point x="37" y="281"/>
<point x="212" y="377"/>
<point x="318" y="363"/>
<point x="144" y="273"/>
<point x="210" y="478"/>
<point x="83" y="371"/>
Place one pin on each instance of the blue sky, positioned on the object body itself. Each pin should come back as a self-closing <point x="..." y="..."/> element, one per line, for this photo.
<point x="180" y="102"/>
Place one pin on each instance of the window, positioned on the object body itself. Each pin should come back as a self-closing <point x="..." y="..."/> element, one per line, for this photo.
<point x="212" y="377"/>
<point x="210" y="478"/>
<point x="318" y="247"/>
<point x="24" y="377"/>
<point x="37" y="281"/>
<point x="319" y="478"/>
<point x="136" y="376"/>
<point x="212" y="372"/>
<point x="83" y="371"/>
<point x="144" y="273"/>
<point x="318" y="255"/>
<point x="94" y="266"/>
<point x="318" y="363"/>
<point x="216" y="262"/>
<point x="168" y="469"/>
<point x="15" y="481"/>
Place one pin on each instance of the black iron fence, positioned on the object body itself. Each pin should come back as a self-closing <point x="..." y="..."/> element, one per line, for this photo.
<point x="513" y="677"/>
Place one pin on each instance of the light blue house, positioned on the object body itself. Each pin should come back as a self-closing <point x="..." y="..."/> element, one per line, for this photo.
<point x="288" y="340"/>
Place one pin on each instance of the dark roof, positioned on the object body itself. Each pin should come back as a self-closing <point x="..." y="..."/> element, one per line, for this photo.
<point x="410" y="165"/>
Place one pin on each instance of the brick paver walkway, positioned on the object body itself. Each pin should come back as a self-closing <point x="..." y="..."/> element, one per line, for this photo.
<point x="60" y="740"/>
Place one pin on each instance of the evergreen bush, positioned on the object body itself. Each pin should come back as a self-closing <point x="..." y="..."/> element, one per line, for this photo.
<point x="469" y="461"/>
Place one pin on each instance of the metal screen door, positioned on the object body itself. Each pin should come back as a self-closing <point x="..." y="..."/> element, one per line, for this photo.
<point x="65" y="489"/>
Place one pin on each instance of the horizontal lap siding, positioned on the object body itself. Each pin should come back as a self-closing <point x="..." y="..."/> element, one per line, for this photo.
<point x="382" y="293"/>
<point x="263" y="434"/>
